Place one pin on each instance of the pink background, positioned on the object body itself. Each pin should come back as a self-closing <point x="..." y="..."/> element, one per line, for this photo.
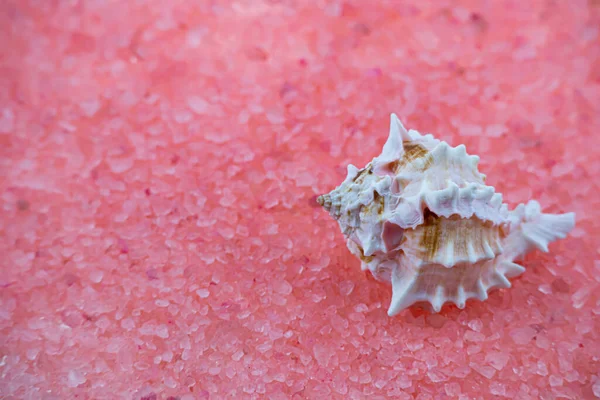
<point x="159" y="162"/>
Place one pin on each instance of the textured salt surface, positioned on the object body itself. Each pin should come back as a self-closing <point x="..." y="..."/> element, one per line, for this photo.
<point x="159" y="164"/>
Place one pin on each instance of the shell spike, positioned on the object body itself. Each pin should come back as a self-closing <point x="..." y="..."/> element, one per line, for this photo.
<point x="438" y="299"/>
<point x="351" y="174"/>
<point x="393" y="149"/>
<point x="548" y="228"/>
<point x="510" y="269"/>
<point x="481" y="291"/>
<point x="500" y="280"/>
<point x="398" y="128"/>
<point x="461" y="150"/>
<point x="530" y="228"/>
<point x="461" y="297"/>
<point x="402" y="289"/>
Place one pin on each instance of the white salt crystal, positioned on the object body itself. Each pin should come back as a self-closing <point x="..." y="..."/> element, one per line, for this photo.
<point x="497" y="359"/>
<point x="428" y="39"/>
<point x="182" y="116"/>
<point x="322" y="354"/>
<point x="170" y="382"/>
<point x="545" y="288"/>
<point x="162" y="331"/>
<point x="263" y="348"/>
<point x="403" y="382"/>
<point x="75" y="378"/>
<point x="461" y="14"/>
<point x="340" y="385"/>
<point x="96" y="276"/>
<point x="474" y="336"/>
<point x="227" y="232"/>
<point x="366" y="378"/>
<point x="525" y="52"/>
<point x="555" y="380"/>
<point x="275" y="117"/>
<point x="185" y="343"/>
<point x="197" y="104"/>
<point x="470" y="130"/>
<point x="214" y="370"/>
<point x="227" y="199"/>
<point x="90" y="107"/>
<point x="147" y="328"/>
<point x="128" y="324"/>
<point x="237" y="355"/>
<point x="321" y="391"/>
<point x="194" y="36"/>
<point x="542" y="369"/>
<point x="497" y="388"/>
<point x="129" y="98"/>
<point x="452" y="389"/>
<point x="361" y="307"/>
<point x="476" y="325"/>
<point x="32" y="353"/>
<point x="584" y="327"/>
<point x="203" y="293"/>
<point x="217" y="137"/>
<point x="495" y="130"/>
<point x="346" y="288"/>
<point x="522" y="335"/>
<point x="305" y="179"/>
<point x="414" y="346"/>
<point x="7" y="119"/>
<point x="596" y="388"/>
<point x="580" y="297"/>
<point x="562" y="168"/>
<point x="436" y="376"/>
<point x="141" y="366"/>
<point x="282" y="287"/>
<point x="488" y="372"/>
<point x="119" y="164"/>
<point x="473" y="349"/>
<point x="162" y="303"/>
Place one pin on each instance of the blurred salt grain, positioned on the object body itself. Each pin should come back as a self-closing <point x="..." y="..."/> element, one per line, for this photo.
<point x="157" y="239"/>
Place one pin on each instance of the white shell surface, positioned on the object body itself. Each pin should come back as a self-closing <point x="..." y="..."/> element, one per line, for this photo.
<point x="421" y="217"/>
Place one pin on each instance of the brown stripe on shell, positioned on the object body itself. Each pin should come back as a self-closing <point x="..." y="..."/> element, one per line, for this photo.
<point x="430" y="240"/>
<point x="436" y="232"/>
<point x="360" y="177"/>
<point x="412" y="152"/>
<point x="366" y="259"/>
<point x="377" y="206"/>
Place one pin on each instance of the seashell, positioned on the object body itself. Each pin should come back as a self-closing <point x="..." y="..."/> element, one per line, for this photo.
<point x="421" y="217"/>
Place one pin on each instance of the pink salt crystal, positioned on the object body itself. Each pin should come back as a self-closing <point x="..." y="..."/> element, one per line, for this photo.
<point x="497" y="359"/>
<point x="156" y="202"/>
<point x="596" y="387"/>
<point x="522" y="335"/>
<point x="498" y="389"/>
<point x="346" y="288"/>
<point x="75" y="378"/>
<point x="7" y="118"/>
<point x="487" y="372"/>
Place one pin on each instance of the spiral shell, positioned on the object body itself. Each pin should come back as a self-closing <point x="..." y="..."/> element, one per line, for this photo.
<point x="421" y="217"/>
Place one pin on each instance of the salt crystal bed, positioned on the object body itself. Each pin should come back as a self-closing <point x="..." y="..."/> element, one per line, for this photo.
<point x="159" y="165"/>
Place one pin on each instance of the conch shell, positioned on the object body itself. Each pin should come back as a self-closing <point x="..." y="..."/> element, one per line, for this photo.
<point x="421" y="217"/>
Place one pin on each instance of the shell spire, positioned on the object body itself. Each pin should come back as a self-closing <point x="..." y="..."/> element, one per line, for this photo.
<point x="393" y="148"/>
<point x="420" y="217"/>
